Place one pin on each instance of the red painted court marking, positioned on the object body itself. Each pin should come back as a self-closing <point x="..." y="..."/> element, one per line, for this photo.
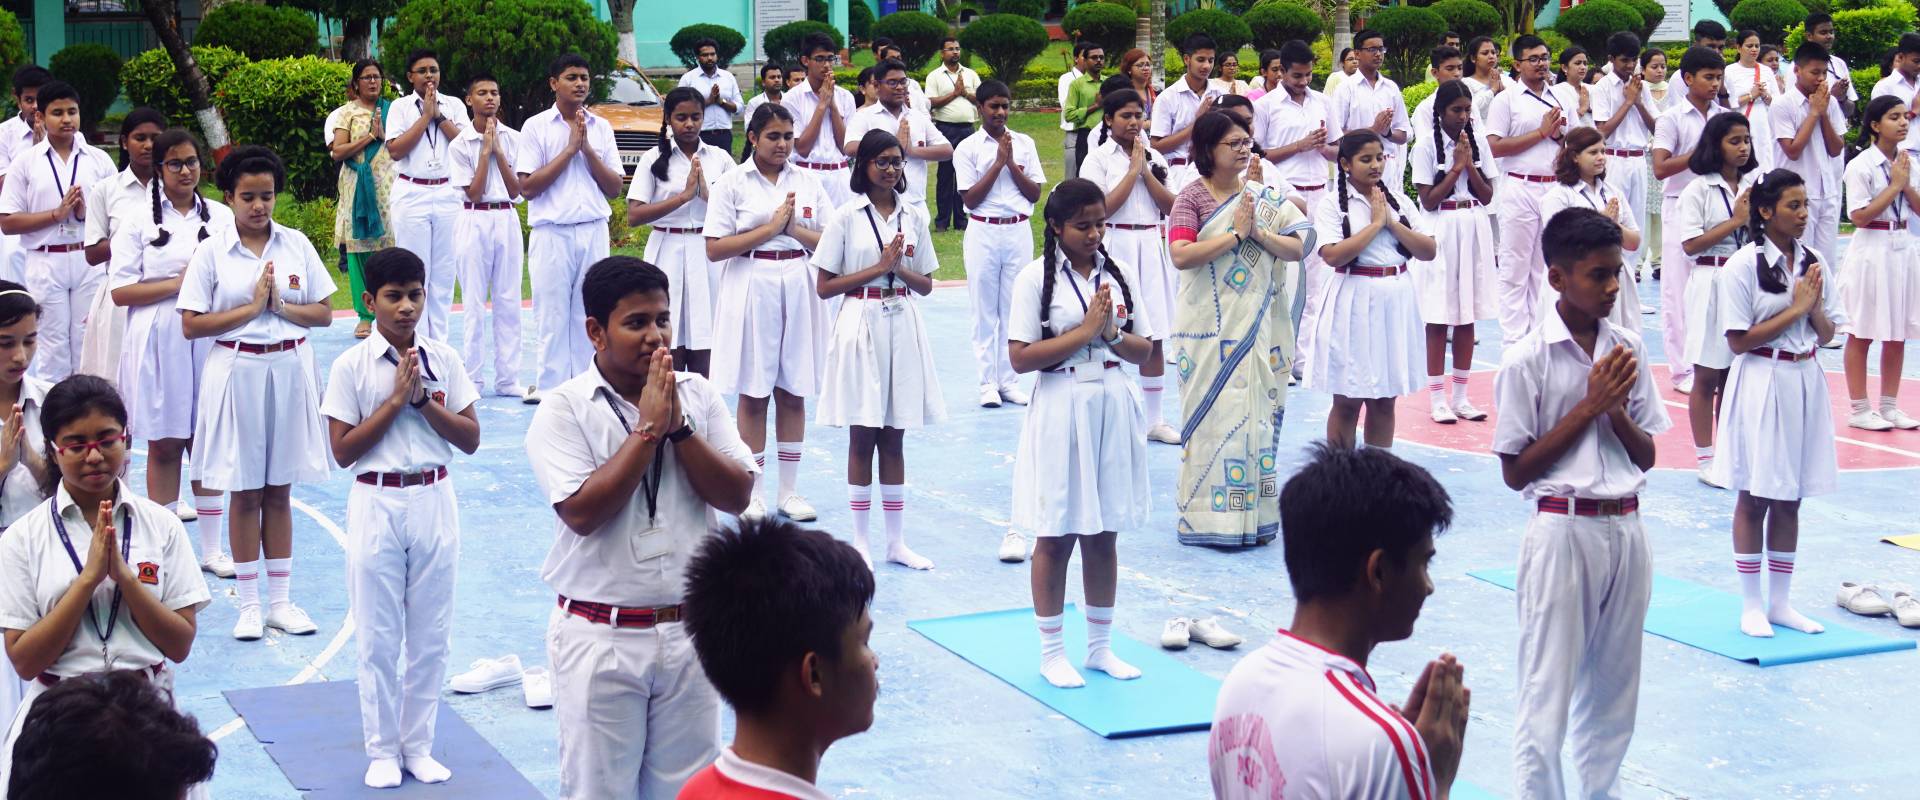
<point x="1856" y="449"/>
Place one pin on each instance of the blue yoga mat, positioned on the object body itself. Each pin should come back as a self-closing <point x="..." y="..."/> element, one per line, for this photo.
<point x="1167" y="697"/>
<point x="312" y="730"/>
<point x="1467" y="791"/>
<point x="1709" y="619"/>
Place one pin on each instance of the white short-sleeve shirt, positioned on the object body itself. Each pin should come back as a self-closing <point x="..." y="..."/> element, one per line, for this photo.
<point x="1381" y="250"/>
<point x="636" y="559"/>
<point x="1517" y="111"/>
<point x="1279" y="120"/>
<point x="1542" y="377"/>
<point x="1426" y="165"/>
<point x="1582" y="195"/>
<point x="1106" y="165"/>
<point x="801" y="101"/>
<point x="753" y="104"/>
<point x="1867" y="175"/>
<point x="428" y="158"/>
<point x="223" y="273"/>
<point x="137" y="259"/>
<point x="1174" y="111"/>
<point x="744" y="199"/>
<point x="1066" y="79"/>
<point x="15" y="137"/>
<point x="36" y="571"/>
<point x="1568" y="96"/>
<point x="1677" y="131"/>
<point x="464" y="158"/>
<point x="362" y="379"/>
<point x="114" y="202"/>
<point x="714" y="117"/>
<point x="1609" y="98"/>
<point x="919" y="126"/>
<point x="715" y="163"/>
<point x="1898" y="86"/>
<point x="1071" y="294"/>
<point x="1356" y="102"/>
<point x="573" y="197"/>
<point x="856" y="233"/>
<point x="38" y="178"/>
<point x="1822" y="171"/>
<point x="1707" y="202"/>
<point x="975" y="154"/>
<point x="19" y="490"/>
<point x="1742" y="304"/>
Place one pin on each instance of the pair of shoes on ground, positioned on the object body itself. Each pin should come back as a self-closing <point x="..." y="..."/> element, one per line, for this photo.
<point x="488" y="674"/>
<point x="1706" y="475"/>
<point x="993" y="396"/>
<point x="793" y="507"/>
<point x="1448" y="414"/>
<point x="1013" y="548"/>
<point x="384" y="773"/>
<point x="1874" y="420"/>
<point x="1208" y="631"/>
<point x="1163" y="433"/>
<point x="1869" y="600"/>
<point x="287" y="617"/>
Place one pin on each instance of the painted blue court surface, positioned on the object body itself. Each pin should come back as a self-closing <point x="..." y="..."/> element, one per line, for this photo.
<point x="1709" y="726"/>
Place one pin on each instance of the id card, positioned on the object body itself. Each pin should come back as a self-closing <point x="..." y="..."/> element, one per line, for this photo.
<point x="649" y="544"/>
<point x="1089" y="372"/>
<point x="1897" y="243"/>
<point x="891" y="305"/>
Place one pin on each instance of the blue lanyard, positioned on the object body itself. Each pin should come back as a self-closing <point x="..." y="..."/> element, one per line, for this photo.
<point x="650" y="489"/>
<point x="424" y="366"/>
<point x="1739" y="233"/>
<point x="1899" y="197"/>
<point x="1076" y="286"/>
<point x="73" y="175"/>
<point x="126" y="550"/>
<point x="1603" y="196"/>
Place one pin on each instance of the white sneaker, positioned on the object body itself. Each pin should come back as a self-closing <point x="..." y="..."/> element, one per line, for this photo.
<point x="537" y="685"/>
<point x="1899" y="419"/>
<point x="248" y="627"/>
<point x="1869" y="420"/>
<point x="1209" y="632"/>
<point x="290" y="619"/>
<point x="1012" y="394"/>
<point x="1706" y="475"/>
<point x="755" y="512"/>
<point x="1832" y="344"/>
<point x="1906" y="609"/>
<point x="531" y="397"/>
<point x="1685" y="386"/>
<point x="1646" y="309"/>
<point x="1177" y="633"/>
<point x="1163" y="433"/>
<point x="186" y="512"/>
<point x="1443" y="414"/>
<point x="487" y="674"/>
<point x="510" y="390"/>
<point x="1013" y="547"/>
<point x="1468" y="411"/>
<point x="220" y="565"/>
<point x="989" y="397"/>
<point x="797" y="509"/>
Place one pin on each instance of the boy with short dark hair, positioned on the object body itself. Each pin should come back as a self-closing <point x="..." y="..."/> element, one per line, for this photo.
<point x="1303" y="707"/>
<point x="489" y="242"/>
<point x="109" y="734"/>
<point x="1578" y="412"/>
<point x="17" y="133"/>
<point x="999" y="175"/>
<point x="1182" y="104"/>
<point x="424" y="205"/>
<point x="1675" y="134"/>
<point x="779" y="619"/>
<point x="1624" y="112"/>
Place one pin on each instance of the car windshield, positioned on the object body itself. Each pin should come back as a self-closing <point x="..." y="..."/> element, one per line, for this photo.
<point x="632" y="88"/>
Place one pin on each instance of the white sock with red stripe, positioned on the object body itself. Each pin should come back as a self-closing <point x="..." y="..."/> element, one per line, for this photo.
<point x="279" y="581"/>
<point x="212" y="512"/>
<point x="1780" y="590"/>
<point x="789" y="466"/>
<point x="246" y="577"/>
<point x="1702" y="455"/>
<point x="1053" y="653"/>
<point x="893" y="508"/>
<point x="759" y="460"/>
<point x="1437" y="387"/>
<point x="860" y="504"/>
<point x="1753" y="614"/>
<point x="1099" y="648"/>
<point x="1460" y="383"/>
<point x="1151" y="389"/>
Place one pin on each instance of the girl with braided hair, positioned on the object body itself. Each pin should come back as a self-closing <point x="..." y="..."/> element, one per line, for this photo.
<point x="1367" y="348"/>
<point x="1776" y="434"/>
<point x="1453" y="170"/>
<point x="1080" y="475"/>
<point x="1881" y="291"/>
<point x="114" y="203"/>
<point x="1581" y="180"/>
<point x="1710" y="222"/>
<point x="670" y="193"/>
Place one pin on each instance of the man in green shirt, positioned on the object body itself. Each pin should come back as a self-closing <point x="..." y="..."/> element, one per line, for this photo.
<point x="1082" y="109"/>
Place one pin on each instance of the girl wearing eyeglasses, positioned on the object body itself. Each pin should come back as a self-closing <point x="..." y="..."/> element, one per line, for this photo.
<point x="96" y="578"/>
<point x="21" y="464"/>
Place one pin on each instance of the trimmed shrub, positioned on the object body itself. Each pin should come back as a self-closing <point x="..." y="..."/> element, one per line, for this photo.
<point x="259" y="32"/>
<point x="727" y="42"/>
<point x="1555" y="43"/>
<point x="94" y="71"/>
<point x="313" y="217"/>
<point x="860" y="20"/>
<point x="1229" y="33"/>
<point x="1031" y="9"/>
<point x="1769" y="18"/>
<point x="1863" y="35"/>
<point x="149" y="79"/>
<point x="1410" y="35"/>
<point x="1106" y="24"/>
<point x="275" y="102"/>
<point x="1274" y="24"/>
<point x="916" y="33"/>
<point x="513" y="39"/>
<point x="1471" y="18"/>
<point x="1651" y="15"/>
<point x="1238" y="8"/>
<point x="783" y="43"/>
<point x="13" y="49"/>
<point x="819" y="11"/>
<point x="1413" y="95"/>
<point x="1007" y="42"/>
<point x="1590" y="23"/>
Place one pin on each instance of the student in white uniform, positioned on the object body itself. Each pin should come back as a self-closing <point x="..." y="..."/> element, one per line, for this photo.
<point x="1303" y="707"/>
<point x="1080" y="474"/>
<point x="670" y="192"/>
<point x="23" y="467"/>
<point x="97" y="578"/>
<point x="1136" y="179"/>
<point x="999" y="174"/>
<point x="17" y="133"/>
<point x="485" y="172"/>
<point x="1710" y="219"/>
<point x="424" y="205"/>
<point x="1369" y="99"/>
<point x="1367" y="349"/>
<point x="397" y="405"/>
<point x="1570" y="87"/>
<point x="1453" y="171"/>
<point x="255" y="288"/>
<point x="1812" y="144"/>
<point x="1881" y="293"/>
<point x="1448" y="65"/>
<point x="1176" y="109"/>
<point x="1903" y="83"/>
<point x="569" y="168"/>
<point x="1624" y="111"/>
<point x="112" y="204"/>
<point x="1676" y="133"/>
<point x="820" y="124"/>
<point x="877" y="252"/>
<point x="763" y="221"/>
<point x="44" y="203"/>
<point x="1484" y="76"/>
<point x="1776" y="309"/>
<point x="1524" y="128"/>
<point x="88" y="734"/>
<point x="1581" y="181"/>
<point x="773" y="85"/>
<point x="1578" y="413"/>
<point x="1750" y="89"/>
<point x="1297" y="133"/>
<point x="635" y="459"/>
<point x="924" y="142"/>
<point x="160" y="369"/>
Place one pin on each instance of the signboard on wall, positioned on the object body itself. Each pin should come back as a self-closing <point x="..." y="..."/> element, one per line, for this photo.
<point x="770" y="14"/>
<point x="1677" y="26"/>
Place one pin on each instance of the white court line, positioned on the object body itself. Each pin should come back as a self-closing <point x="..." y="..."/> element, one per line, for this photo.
<point x="1838" y="438"/>
<point x="333" y="647"/>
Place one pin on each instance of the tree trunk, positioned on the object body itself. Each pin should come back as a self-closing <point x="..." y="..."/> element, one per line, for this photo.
<point x="165" y="19"/>
<point x="1157" y="49"/>
<point x="356" y="37"/>
<point x="622" y="13"/>
<point x="1342" y="29"/>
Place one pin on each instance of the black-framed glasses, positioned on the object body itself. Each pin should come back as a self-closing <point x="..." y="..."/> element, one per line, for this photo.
<point x="897" y="83"/>
<point x="1239" y="145"/>
<point x="179" y="165"/>
<point x="1539" y="59"/>
<point x="111" y="444"/>
<point x="426" y="71"/>
<point x="889" y="163"/>
<point x="824" y="58"/>
<point x="1377" y="49"/>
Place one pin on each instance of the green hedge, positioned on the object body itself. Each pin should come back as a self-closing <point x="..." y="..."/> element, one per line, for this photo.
<point x="1863" y="35"/>
<point x="1276" y="23"/>
<point x="259" y="31"/>
<point x="916" y="33"/>
<point x="1031" y="9"/>
<point x="1471" y="18"/>
<point x="275" y="103"/>
<point x="313" y="217"/>
<point x="1410" y="34"/>
<point x="13" y="51"/>
<point x="727" y="43"/>
<point x="150" y="80"/>
<point x="859" y="24"/>
<point x="1106" y="24"/>
<point x="1769" y="18"/>
<point x="1229" y="32"/>
<point x="513" y="39"/>
<point x="1007" y="42"/>
<point x="94" y="71"/>
<point x="1651" y="15"/>
<point x="1590" y="23"/>
<point x="783" y="43"/>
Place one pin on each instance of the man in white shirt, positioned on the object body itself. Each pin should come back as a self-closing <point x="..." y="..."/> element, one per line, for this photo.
<point x="1072" y="144"/>
<point x="950" y="91"/>
<point x="490" y="245"/>
<point x="1623" y="111"/>
<point x="999" y="174"/>
<point x="1524" y="127"/>
<point x="1299" y="717"/>
<point x="1298" y="135"/>
<point x="1183" y="103"/>
<point x="719" y="91"/>
<point x="920" y="141"/>
<point x="636" y="459"/>
<point x="885" y="50"/>
<point x="17" y="133"/>
<point x="1675" y="133"/>
<point x="1369" y="99"/>
<point x="820" y="112"/>
<point x="1819" y="28"/>
<point x="1903" y="83"/>
<point x="1811" y="144"/>
<point x="773" y="85"/>
<point x="424" y="205"/>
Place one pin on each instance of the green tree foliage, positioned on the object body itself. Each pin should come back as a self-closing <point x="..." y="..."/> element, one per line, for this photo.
<point x="1410" y="34"/>
<point x="1109" y="25"/>
<point x="1229" y="33"/>
<point x="513" y="39"/>
<point x="1471" y="18"/>
<point x="94" y="71"/>
<point x="860" y="20"/>
<point x="1590" y="23"/>
<point x="275" y="103"/>
<point x="1276" y="23"/>
<point x="1769" y="18"/>
<point x="783" y="43"/>
<point x="259" y="32"/>
<point x="1651" y="15"/>
<point x="13" y="48"/>
<point x="727" y="41"/>
<point x="356" y="20"/>
<point x="149" y="79"/>
<point x="1007" y="42"/>
<point x="1031" y="9"/>
<point x="917" y="35"/>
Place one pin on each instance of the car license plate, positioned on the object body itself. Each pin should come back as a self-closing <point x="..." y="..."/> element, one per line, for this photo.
<point x="631" y="158"/>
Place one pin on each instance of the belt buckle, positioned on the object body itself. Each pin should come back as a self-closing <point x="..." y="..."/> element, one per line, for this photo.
<point x="666" y="615"/>
<point x="1610" y="508"/>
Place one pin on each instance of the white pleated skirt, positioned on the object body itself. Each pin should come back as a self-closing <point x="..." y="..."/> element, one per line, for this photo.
<point x="1458" y="286"/>
<point x="879" y="371"/>
<point x="1368" y="341"/>
<point x="160" y="371"/>
<point x="1147" y="251"/>
<point x="259" y="421"/>
<point x="1706" y="338"/>
<point x="1081" y="467"/>
<point x="770" y="329"/>
<point x="1881" y="292"/>
<point x="693" y="281"/>
<point x="1776" y="430"/>
<point x="106" y="328"/>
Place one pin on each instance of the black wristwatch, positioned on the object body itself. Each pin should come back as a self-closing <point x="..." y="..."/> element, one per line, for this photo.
<point x="682" y="433"/>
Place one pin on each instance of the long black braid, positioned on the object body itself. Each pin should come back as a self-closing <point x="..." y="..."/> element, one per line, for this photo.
<point x="1446" y="95"/>
<point x="1350" y="146"/>
<point x="167" y="141"/>
<point x="1065" y="203"/>
<point x="680" y="94"/>
<point x="1766" y="194"/>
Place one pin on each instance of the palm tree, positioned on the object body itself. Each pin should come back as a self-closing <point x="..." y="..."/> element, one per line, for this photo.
<point x="165" y="19"/>
<point x="1342" y="28"/>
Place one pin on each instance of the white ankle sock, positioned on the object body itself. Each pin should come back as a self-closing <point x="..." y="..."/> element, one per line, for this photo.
<point x="1780" y="591"/>
<point x="246" y="576"/>
<point x="860" y="504"/>
<point x="893" y="508"/>
<point x="279" y="581"/>
<point x="1151" y="390"/>
<point x="426" y="770"/>
<point x="1099" y="645"/>
<point x="1437" y="388"/>
<point x="383" y="773"/>
<point x="1888" y="404"/>
<point x="1858" y="406"/>
<point x="1460" y="383"/>
<point x="1702" y="455"/>
<point x="210" y="525"/>
<point x="1053" y="653"/>
<point x="1753" y="615"/>
<point x="789" y="466"/>
<point x="759" y="460"/>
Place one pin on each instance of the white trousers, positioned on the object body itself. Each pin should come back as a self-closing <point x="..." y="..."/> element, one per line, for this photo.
<point x="1522" y="268"/>
<point x="1583" y="589"/>
<point x="1313" y="274"/>
<point x="1823" y="230"/>
<point x="403" y="546"/>
<point x="13" y="260"/>
<point x="1675" y="266"/>
<point x="65" y="287"/>
<point x="558" y="257"/>
<point x="490" y="260"/>
<point x="993" y="255"/>
<point x="637" y="715"/>
<point x="424" y="219"/>
<point x="1628" y="177"/>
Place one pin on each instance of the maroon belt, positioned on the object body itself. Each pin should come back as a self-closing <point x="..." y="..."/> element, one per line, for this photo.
<point x="1128" y="226"/>
<point x="997" y="220"/>
<point x="1178" y="162"/>
<point x="1370" y="272"/>
<point x="777" y="255"/>
<point x="1055" y="370"/>
<point x="1456" y="205"/>
<point x="875" y="293"/>
<point x="821" y="167"/>
<point x="1615" y="151"/>
<point x="258" y="349"/>
<point x="59" y="248"/>
<point x="1531" y="178"/>
<point x="1883" y="225"/>
<point x="618" y="617"/>
<point x="1710" y="261"/>
<point x="422" y="181"/>
<point x="1314" y="188"/>
<point x="678" y="230"/>
<point x="396" y="480"/>
<point x="1583" y="507"/>
<point x="1780" y="355"/>
<point x="48" y="679"/>
<point x="486" y="206"/>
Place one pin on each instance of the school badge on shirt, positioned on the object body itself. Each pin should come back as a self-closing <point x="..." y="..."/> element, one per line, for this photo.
<point x="149" y="573"/>
<point x="909" y="251"/>
<point x="440" y="397"/>
<point x="293" y="282"/>
<point x="806" y="212"/>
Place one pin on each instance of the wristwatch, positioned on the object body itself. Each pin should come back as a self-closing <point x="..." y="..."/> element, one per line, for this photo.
<point x="683" y="432"/>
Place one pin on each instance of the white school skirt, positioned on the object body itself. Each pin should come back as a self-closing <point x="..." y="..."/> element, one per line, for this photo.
<point x="1458" y="286"/>
<point x="1368" y="342"/>
<point x="259" y="421"/>
<point x="100" y="354"/>
<point x="879" y="371"/>
<point x="160" y="372"/>
<point x="1881" y="292"/>
<point x="693" y="281"/>
<point x="1081" y="467"/>
<point x="1776" y="429"/>
<point x="770" y="329"/>
<point x="1146" y="250"/>
<point x="1706" y="338"/>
